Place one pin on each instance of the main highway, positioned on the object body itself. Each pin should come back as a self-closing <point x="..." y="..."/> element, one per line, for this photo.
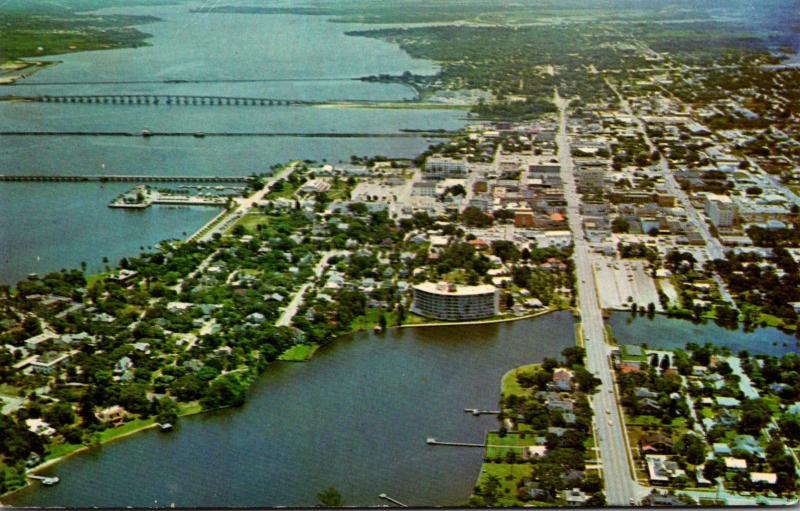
<point x="620" y="486"/>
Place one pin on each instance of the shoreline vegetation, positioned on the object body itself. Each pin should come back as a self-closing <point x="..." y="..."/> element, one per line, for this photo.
<point x="298" y="353"/>
<point x="33" y="30"/>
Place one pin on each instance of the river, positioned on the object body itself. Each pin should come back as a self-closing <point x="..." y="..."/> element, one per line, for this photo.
<point x="301" y="57"/>
<point x="355" y="417"/>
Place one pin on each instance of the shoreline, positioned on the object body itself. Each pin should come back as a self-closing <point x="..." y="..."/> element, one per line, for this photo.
<point x="26" y="70"/>
<point x="481" y="321"/>
<point x="193" y="411"/>
<point x="149" y="424"/>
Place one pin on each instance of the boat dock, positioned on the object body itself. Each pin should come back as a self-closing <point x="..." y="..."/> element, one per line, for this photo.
<point x="390" y="499"/>
<point x="47" y="481"/>
<point x="142" y="197"/>
<point x="476" y="412"/>
<point x="433" y="441"/>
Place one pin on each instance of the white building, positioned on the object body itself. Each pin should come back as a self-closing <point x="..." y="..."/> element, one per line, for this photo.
<point x="720" y="209"/>
<point x="437" y="167"/>
<point x="455" y="303"/>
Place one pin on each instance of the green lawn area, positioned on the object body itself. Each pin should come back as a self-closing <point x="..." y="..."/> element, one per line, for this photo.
<point x="299" y="353"/>
<point x="91" y="279"/>
<point x="707" y="412"/>
<point x="371" y="318"/>
<point x="414" y="319"/>
<point x="679" y="423"/>
<point x="773" y="321"/>
<point x="633" y="358"/>
<point x="128" y="427"/>
<point x="513" y="441"/>
<point x="579" y="335"/>
<point x="251" y="220"/>
<point x="286" y="192"/>
<point x="508" y="475"/>
<point x="57" y="451"/>
<point x="190" y="408"/>
<point x="510" y="386"/>
<point x="339" y="191"/>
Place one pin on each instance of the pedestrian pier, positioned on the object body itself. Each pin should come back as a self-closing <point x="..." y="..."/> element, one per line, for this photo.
<point x="390" y="499"/>
<point x="128" y="179"/>
<point x="476" y="412"/>
<point x="433" y="441"/>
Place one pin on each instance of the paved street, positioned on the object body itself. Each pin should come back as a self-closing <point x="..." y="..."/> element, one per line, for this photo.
<point x="621" y="489"/>
<point x="288" y="313"/>
<point x="713" y="245"/>
<point x="243" y="205"/>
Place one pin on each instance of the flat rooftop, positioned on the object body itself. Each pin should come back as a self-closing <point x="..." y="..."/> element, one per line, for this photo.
<point x="443" y="288"/>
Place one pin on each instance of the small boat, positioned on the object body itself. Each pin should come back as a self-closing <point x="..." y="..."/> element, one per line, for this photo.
<point x="50" y="481"/>
<point x="166" y="426"/>
<point x="199" y="134"/>
<point x="147" y="133"/>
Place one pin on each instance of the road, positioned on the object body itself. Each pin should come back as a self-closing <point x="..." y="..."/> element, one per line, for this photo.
<point x="242" y="206"/>
<point x="621" y="489"/>
<point x="288" y="313"/>
<point x="713" y="246"/>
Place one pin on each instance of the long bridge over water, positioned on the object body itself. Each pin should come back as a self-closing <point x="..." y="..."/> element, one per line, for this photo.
<point x="127" y="179"/>
<point x="166" y="99"/>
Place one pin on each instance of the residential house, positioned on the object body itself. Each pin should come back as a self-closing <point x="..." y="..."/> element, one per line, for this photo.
<point x="114" y="415"/>
<point x="562" y="378"/>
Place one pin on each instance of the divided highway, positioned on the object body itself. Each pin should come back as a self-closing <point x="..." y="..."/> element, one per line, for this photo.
<point x="621" y="488"/>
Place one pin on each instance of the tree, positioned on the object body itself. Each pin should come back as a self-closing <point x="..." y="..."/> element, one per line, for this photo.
<point x="619" y="224"/>
<point x="755" y="415"/>
<point x="573" y="355"/>
<point x="654" y="360"/>
<point x="330" y="497"/>
<point x="692" y="447"/>
<point x="509" y="301"/>
<point x="167" y="411"/>
<point x="474" y="217"/>
<point x="664" y="363"/>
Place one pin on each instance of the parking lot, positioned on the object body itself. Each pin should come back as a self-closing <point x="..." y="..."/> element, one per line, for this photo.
<point x="621" y="280"/>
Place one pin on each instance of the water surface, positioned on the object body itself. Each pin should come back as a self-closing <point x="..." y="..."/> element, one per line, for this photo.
<point x="355" y="417"/>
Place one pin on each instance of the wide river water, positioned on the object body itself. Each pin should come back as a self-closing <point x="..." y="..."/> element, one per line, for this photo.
<point x="45" y="227"/>
<point x="355" y="417"/>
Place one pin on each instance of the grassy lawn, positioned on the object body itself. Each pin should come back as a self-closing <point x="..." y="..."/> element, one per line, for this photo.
<point x="579" y="340"/>
<point x="287" y="191"/>
<point x="57" y="451"/>
<point x="190" y="408"/>
<point x="250" y="221"/>
<point x="127" y="428"/>
<point x="413" y="319"/>
<point x="371" y="319"/>
<point x="299" y="353"/>
<point x="510" y="386"/>
<point x="501" y="446"/>
<point x="508" y="475"/>
<point x="91" y="279"/>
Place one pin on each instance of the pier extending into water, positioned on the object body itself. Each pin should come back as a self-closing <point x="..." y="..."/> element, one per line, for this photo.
<point x="433" y="441"/>
<point x="128" y="179"/>
<point x="476" y="412"/>
<point x="390" y="499"/>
